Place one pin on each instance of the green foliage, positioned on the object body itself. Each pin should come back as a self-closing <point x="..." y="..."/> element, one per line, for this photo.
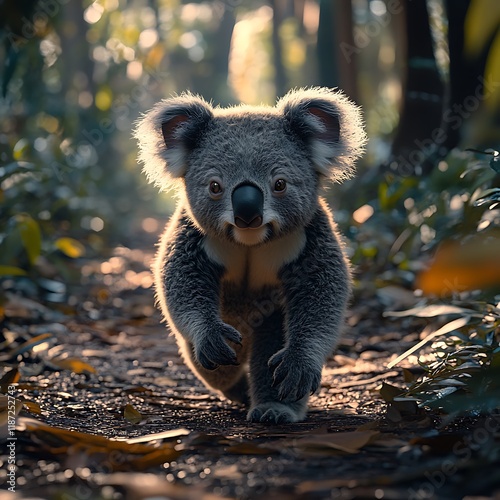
<point x="462" y="367"/>
<point x="462" y="374"/>
<point x="408" y="217"/>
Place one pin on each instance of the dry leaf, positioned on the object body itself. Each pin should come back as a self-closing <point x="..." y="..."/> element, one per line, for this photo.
<point x="73" y="364"/>
<point x="389" y="392"/>
<point x="132" y="457"/>
<point x="132" y="415"/>
<point x="174" y="433"/>
<point x="348" y="442"/>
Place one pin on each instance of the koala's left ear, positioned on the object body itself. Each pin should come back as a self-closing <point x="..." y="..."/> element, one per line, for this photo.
<point x="330" y="125"/>
<point x="167" y="133"/>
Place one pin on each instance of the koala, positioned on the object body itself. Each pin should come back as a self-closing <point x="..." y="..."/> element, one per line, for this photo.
<point x="251" y="274"/>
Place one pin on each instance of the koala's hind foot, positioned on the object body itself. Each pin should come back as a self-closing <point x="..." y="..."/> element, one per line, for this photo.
<point x="278" y="413"/>
<point x="267" y="405"/>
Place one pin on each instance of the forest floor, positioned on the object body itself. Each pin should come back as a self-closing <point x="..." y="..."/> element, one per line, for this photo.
<point x="99" y="364"/>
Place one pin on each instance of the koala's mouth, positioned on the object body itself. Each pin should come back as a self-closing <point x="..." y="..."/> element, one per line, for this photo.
<point x="250" y="236"/>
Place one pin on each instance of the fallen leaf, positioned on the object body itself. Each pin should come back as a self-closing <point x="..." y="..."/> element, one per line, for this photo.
<point x="174" y="433"/>
<point x="118" y="455"/>
<point x="73" y="364"/>
<point x="389" y="392"/>
<point x="32" y="407"/>
<point x="11" y="377"/>
<point x="132" y="415"/>
<point x="348" y="442"/>
<point x="29" y="344"/>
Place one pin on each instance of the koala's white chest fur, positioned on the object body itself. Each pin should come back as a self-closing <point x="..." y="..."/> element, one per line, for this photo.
<point x="255" y="266"/>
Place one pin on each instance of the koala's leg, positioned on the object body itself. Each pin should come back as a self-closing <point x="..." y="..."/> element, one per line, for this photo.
<point x="266" y="405"/>
<point x="188" y="284"/>
<point x="316" y="289"/>
<point x="230" y="380"/>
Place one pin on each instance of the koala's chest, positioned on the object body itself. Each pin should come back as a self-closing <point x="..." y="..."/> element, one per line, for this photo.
<point x="255" y="267"/>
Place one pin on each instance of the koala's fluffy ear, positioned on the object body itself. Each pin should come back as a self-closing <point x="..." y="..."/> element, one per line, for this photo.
<point x="167" y="133"/>
<point x="331" y="126"/>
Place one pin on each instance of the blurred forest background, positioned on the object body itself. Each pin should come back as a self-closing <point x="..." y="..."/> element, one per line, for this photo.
<point x="75" y="76"/>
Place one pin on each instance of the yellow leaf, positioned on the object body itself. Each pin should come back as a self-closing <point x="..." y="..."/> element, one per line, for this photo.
<point x="492" y="75"/>
<point x="70" y="247"/>
<point x="31" y="236"/>
<point x="63" y="442"/>
<point x="11" y="377"/>
<point x="12" y="271"/>
<point x="73" y="364"/>
<point x="481" y="22"/>
<point x="32" y="407"/>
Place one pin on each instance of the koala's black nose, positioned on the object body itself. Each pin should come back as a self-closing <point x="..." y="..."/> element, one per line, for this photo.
<point x="248" y="205"/>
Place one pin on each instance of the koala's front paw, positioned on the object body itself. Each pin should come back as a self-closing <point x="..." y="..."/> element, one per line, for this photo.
<point x="211" y="350"/>
<point x="273" y="413"/>
<point x="293" y="375"/>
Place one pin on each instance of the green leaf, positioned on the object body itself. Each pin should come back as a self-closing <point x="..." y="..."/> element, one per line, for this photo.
<point x="20" y="149"/>
<point x="31" y="236"/>
<point x="12" y="271"/>
<point x="70" y="247"/>
<point x="449" y="327"/>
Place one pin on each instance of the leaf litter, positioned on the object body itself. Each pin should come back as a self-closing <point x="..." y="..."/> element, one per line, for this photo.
<point x="107" y="388"/>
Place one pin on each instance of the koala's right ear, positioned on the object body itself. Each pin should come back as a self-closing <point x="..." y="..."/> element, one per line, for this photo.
<point x="167" y="133"/>
<point x="331" y="126"/>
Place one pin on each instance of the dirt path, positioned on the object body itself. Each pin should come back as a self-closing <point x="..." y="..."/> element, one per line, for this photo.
<point x="108" y="369"/>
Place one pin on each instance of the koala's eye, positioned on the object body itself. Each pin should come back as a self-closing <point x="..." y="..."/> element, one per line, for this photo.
<point x="279" y="185"/>
<point x="215" y="188"/>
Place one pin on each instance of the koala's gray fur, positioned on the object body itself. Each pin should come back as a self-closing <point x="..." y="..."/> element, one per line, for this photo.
<point x="256" y="311"/>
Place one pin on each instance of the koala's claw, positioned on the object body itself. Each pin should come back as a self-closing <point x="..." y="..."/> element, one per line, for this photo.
<point x="213" y="350"/>
<point x="293" y="376"/>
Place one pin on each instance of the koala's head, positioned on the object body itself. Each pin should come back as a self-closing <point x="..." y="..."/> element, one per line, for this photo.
<point x="251" y="174"/>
